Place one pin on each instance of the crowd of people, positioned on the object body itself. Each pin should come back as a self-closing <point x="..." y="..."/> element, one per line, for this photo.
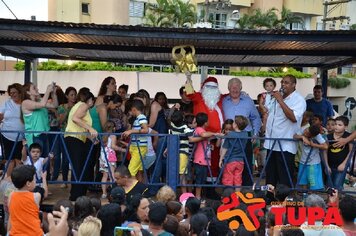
<point x="105" y="140"/>
<point x="129" y="212"/>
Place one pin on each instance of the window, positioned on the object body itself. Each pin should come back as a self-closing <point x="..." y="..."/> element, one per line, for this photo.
<point x="297" y="26"/>
<point x="218" y="20"/>
<point x="137" y="9"/>
<point x="85" y="8"/>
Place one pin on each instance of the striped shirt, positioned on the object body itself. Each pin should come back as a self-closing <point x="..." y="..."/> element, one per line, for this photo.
<point x="184" y="140"/>
<point x="139" y="140"/>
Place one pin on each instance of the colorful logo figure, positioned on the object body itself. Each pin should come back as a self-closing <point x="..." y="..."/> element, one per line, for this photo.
<point x="254" y="209"/>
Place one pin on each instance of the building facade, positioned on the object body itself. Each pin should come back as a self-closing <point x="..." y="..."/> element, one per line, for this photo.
<point x="222" y="13"/>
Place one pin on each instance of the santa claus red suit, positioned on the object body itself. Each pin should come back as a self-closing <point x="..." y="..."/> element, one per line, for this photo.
<point x="209" y="101"/>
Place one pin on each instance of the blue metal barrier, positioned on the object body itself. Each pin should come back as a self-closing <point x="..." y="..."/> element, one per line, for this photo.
<point x="173" y="159"/>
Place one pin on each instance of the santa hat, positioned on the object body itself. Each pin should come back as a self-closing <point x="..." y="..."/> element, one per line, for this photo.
<point x="211" y="81"/>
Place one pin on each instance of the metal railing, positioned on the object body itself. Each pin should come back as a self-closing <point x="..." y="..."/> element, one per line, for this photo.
<point x="172" y="178"/>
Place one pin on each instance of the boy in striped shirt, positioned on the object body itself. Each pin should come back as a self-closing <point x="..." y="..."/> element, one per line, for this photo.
<point x="138" y="147"/>
<point x="178" y="127"/>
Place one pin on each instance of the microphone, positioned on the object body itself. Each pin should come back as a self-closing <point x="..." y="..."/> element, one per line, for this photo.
<point x="281" y="91"/>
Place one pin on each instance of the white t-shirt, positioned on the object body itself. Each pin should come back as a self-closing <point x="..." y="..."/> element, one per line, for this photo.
<point x="279" y="126"/>
<point x="12" y="120"/>
<point x="38" y="166"/>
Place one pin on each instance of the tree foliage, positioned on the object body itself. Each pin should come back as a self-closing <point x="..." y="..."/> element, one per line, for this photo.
<point x="274" y="73"/>
<point x="170" y="13"/>
<point x="268" y="19"/>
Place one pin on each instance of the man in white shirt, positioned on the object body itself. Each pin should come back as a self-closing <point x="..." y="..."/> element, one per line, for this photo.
<point x="282" y="123"/>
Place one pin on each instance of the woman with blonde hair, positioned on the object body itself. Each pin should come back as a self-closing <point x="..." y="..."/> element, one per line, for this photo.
<point x="91" y="226"/>
<point x="166" y="194"/>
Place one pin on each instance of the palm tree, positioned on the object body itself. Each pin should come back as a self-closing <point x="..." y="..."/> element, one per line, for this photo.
<point x="170" y="13"/>
<point x="259" y="19"/>
<point x="288" y="18"/>
<point x="264" y="20"/>
<point x="184" y="12"/>
<point x="158" y="15"/>
<point x="245" y="22"/>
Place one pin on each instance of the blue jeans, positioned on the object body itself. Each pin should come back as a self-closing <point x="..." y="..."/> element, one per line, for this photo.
<point x="337" y="178"/>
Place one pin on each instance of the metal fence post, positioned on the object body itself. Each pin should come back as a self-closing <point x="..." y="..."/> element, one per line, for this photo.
<point x="172" y="161"/>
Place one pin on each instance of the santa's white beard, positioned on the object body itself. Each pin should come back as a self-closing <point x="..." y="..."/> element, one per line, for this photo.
<point x="211" y="96"/>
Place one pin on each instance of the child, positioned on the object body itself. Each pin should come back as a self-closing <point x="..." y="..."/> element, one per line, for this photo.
<point x="192" y="124"/>
<point x="178" y="127"/>
<point x="226" y="128"/>
<point x="108" y="155"/>
<point x="269" y="85"/>
<point x="267" y="101"/>
<point x="307" y="116"/>
<point x="330" y="126"/>
<point x="233" y="153"/>
<point x="336" y="158"/>
<point x="138" y="147"/>
<point x="318" y="120"/>
<point x="202" y="152"/>
<point x="35" y="159"/>
<point x="310" y="171"/>
<point x="24" y="204"/>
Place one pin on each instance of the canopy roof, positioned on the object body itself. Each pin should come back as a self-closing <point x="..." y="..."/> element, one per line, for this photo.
<point x="136" y="44"/>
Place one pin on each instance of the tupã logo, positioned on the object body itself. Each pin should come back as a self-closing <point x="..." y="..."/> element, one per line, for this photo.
<point x="254" y="206"/>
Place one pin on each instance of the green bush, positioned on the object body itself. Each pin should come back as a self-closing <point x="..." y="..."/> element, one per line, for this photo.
<point x="338" y="82"/>
<point x="19" y="66"/>
<point x="108" y="66"/>
<point x="272" y="73"/>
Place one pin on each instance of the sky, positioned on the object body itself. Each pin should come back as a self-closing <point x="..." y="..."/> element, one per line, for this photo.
<point x="24" y="9"/>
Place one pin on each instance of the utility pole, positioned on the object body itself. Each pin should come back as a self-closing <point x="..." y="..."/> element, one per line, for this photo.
<point x="326" y="11"/>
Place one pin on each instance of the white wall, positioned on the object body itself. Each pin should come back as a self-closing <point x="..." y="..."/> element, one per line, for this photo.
<point x="168" y="83"/>
<point x="151" y="81"/>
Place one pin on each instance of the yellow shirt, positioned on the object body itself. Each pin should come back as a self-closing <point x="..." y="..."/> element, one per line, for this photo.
<point x="73" y="127"/>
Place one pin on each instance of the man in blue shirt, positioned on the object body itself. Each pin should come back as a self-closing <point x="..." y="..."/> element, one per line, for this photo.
<point x="319" y="105"/>
<point x="239" y="103"/>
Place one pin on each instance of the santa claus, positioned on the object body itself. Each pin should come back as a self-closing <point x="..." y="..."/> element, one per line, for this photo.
<point x="209" y="101"/>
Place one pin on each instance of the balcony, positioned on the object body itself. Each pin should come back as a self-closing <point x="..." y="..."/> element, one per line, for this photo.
<point x="240" y="3"/>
